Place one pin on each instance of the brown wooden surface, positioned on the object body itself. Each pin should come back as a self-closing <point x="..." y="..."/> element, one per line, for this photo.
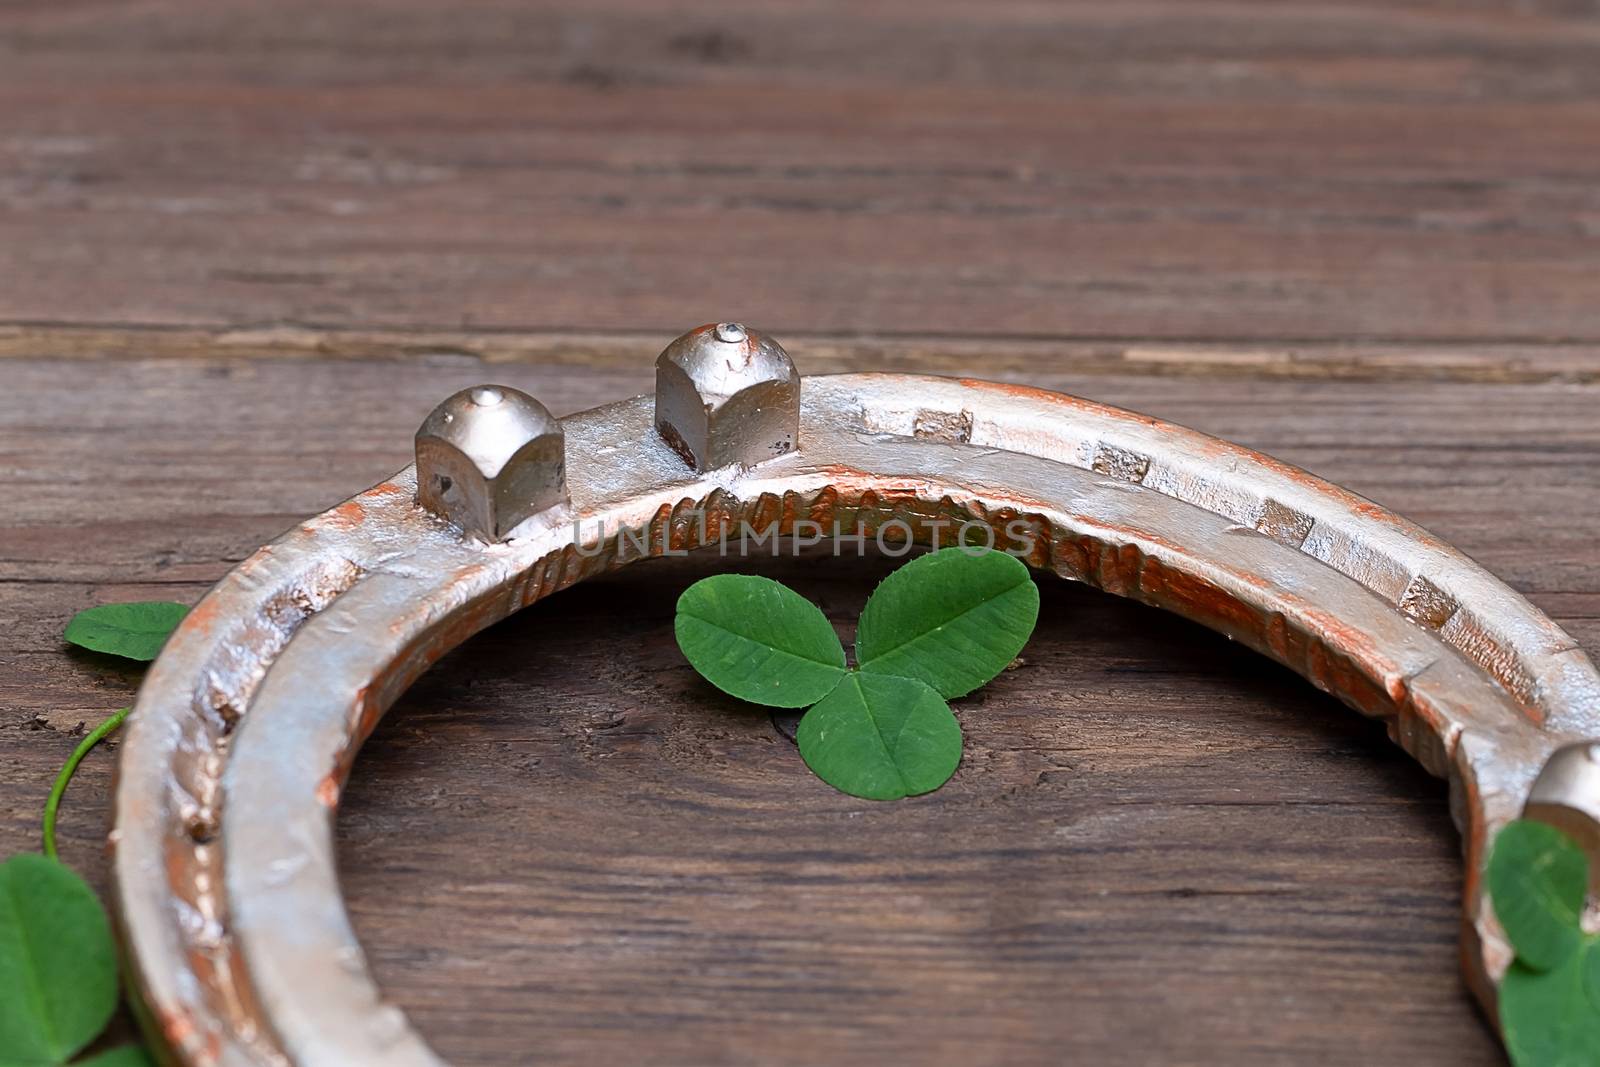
<point x="244" y="248"/>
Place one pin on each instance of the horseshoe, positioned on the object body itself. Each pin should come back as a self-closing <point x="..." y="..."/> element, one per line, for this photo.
<point x="245" y="730"/>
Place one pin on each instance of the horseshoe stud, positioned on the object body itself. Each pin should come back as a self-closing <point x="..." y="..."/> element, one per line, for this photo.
<point x="246" y="727"/>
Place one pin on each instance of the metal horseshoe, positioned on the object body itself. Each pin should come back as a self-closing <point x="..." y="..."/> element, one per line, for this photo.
<point x="246" y="728"/>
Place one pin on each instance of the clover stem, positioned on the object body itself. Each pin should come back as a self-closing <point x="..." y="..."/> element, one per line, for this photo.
<point x="58" y="790"/>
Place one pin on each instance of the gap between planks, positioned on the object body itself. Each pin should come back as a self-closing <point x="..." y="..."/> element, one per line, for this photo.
<point x="1493" y="362"/>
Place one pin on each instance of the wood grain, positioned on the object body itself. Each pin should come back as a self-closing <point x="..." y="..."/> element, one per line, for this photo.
<point x="244" y="248"/>
<point x="1158" y="848"/>
<point x="1159" y="170"/>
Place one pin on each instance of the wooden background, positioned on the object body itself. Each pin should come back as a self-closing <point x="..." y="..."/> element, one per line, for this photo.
<point x="245" y="247"/>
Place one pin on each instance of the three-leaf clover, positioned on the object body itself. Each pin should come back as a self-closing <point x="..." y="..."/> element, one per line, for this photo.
<point x="1550" y="998"/>
<point x="935" y="629"/>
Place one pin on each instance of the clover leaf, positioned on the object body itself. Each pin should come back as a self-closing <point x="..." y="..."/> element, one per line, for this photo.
<point x="759" y="640"/>
<point x="939" y="627"/>
<point x="1550" y="997"/>
<point x="1538" y="880"/>
<point x="58" y="965"/>
<point x="133" y="631"/>
<point x="1552" y="1018"/>
<point x="880" y="737"/>
<point x="951" y="618"/>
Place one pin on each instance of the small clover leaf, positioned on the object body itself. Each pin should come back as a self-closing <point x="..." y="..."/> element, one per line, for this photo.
<point x="1538" y="880"/>
<point x="1550" y="997"/>
<point x="1552" y="1018"/>
<point x="952" y="619"/>
<point x="759" y="640"/>
<point x="134" y="631"/>
<point x="880" y="737"/>
<point x="58" y="965"/>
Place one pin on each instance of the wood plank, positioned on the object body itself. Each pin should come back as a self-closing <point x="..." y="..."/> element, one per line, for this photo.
<point x="1162" y="170"/>
<point x="1159" y="848"/>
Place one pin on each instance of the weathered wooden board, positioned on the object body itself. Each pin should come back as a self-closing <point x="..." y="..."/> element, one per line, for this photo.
<point x="1158" y="848"/>
<point x="1157" y="169"/>
<point x="245" y="247"/>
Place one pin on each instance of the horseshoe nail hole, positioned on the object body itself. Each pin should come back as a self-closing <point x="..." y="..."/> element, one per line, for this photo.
<point x="952" y="426"/>
<point x="201" y="825"/>
<point x="1120" y="463"/>
<point x="1427" y="604"/>
<point x="1284" y="524"/>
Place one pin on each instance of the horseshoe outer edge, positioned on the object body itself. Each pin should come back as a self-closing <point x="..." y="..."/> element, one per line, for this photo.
<point x="245" y="730"/>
